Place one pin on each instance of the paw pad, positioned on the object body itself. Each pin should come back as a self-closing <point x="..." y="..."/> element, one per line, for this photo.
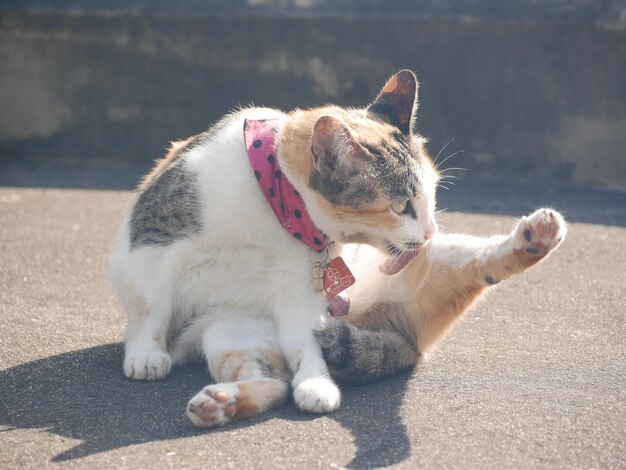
<point x="540" y="232"/>
<point x="213" y="406"/>
<point x="490" y="280"/>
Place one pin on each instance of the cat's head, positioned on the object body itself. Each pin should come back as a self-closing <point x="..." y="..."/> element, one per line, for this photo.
<point x="374" y="181"/>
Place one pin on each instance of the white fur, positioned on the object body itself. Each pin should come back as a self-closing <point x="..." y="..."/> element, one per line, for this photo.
<point x="459" y="249"/>
<point x="371" y="285"/>
<point x="242" y="263"/>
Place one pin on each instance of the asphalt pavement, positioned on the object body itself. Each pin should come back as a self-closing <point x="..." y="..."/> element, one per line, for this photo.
<point x="533" y="377"/>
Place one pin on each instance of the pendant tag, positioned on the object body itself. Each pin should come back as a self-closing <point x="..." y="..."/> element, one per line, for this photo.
<point x="337" y="277"/>
<point x="318" y="278"/>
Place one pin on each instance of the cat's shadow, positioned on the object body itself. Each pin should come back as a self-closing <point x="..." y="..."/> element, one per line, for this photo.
<point x="83" y="395"/>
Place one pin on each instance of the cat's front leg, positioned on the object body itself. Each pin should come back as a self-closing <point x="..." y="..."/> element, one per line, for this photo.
<point x="462" y="267"/>
<point x="145" y="356"/>
<point x="313" y="389"/>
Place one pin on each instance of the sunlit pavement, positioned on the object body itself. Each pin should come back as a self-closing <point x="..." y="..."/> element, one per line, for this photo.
<point x="534" y="376"/>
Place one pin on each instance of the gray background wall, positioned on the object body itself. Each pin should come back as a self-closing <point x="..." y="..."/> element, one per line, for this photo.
<point x="529" y="90"/>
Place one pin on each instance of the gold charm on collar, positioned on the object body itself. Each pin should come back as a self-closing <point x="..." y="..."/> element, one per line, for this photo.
<point x="318" y="277"/>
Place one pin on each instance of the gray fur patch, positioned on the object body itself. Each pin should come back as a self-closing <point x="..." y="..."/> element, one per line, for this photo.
<point x="394" y="168"/>
<point x="354" y="355"/>
<point x="168" y="209"/>
<point x="388" y="169"/>
<point x="266" y="369"/>
<point x="353" y="191"/>
<point x="332" y="190"/>
<point x="360" y="192"/>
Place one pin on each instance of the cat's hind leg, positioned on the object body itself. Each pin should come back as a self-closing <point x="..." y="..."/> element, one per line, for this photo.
<point x="252" y="374"/>
<point x="224" y="402"/>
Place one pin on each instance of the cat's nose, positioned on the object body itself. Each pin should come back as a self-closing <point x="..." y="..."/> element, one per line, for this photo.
<point x="431" y="229"/>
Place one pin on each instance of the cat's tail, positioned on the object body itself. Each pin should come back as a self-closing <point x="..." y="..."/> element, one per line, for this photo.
<point x="359" y="356"/>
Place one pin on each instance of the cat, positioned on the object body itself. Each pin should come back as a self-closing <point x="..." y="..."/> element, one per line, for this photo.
<point x="393" y="321"/>
<point x="203" y="267"/>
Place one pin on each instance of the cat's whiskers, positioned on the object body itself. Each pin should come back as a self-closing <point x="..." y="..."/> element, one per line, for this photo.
<point x="447" y="177"/>
<point x="442" y="149"/>
<point x="453" y="169"/>
<point x="438" y="165"/>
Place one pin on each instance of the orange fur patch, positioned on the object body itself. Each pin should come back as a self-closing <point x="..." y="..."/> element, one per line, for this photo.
<point x="449" y="293"/>
<point x="234" y="366"/>
<point x="256" y="396"/>
<point x="368" y="215"/>
<point x="246" y="406"/>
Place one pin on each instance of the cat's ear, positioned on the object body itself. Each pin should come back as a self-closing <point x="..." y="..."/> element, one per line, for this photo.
<point x="397" y="101"/>
<point x="332" y="145"/>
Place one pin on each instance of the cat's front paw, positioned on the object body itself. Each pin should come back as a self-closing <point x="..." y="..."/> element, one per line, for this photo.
<point x="148" y="364"/>
<point x="539" y="233"/>
<point x="215" y="405"/>
<point x="317" y="395"/>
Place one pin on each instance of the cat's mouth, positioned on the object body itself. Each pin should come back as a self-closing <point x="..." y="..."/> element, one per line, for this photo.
<point x="398" y="260"/>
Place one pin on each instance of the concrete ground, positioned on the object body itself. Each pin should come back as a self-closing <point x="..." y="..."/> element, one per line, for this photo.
<point x="533" y="377"/>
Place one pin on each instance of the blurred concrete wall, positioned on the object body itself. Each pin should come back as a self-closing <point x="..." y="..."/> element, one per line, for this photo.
<point x="527" y="89"/>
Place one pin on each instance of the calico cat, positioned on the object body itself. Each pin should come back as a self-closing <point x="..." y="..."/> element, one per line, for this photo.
<point x="203" y="267"/>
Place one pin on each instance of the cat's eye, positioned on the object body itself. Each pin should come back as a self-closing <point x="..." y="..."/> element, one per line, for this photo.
<point x="399" y="206"/>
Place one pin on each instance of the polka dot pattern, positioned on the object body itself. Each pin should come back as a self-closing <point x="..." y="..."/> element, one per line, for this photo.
<point x="282" y="197"/>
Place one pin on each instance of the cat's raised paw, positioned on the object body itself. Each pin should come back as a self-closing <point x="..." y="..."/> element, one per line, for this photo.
<point x="147" y="364"/>
<point x="215" y="405"/>
<point x="317" y="395"/>
<point x="539" y="233"/>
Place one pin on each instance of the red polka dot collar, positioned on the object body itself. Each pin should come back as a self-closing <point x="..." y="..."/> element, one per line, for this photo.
<point x="285" y="201"/>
